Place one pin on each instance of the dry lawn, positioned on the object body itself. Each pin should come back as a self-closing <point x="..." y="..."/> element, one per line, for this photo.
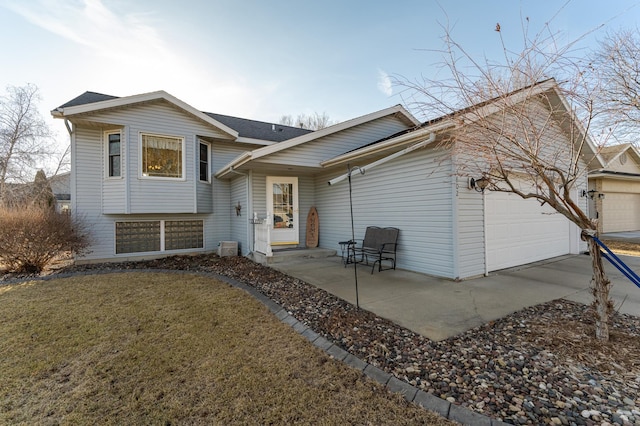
<point x="143" y="348"/>
<point x="623" y="247"/>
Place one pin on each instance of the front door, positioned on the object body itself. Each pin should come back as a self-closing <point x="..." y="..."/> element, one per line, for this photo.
<point x="282" y="202"/>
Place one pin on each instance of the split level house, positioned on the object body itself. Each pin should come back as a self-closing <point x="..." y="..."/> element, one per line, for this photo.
<point x="155" y="176"/>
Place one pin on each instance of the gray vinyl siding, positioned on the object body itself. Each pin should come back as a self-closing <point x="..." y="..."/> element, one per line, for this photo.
<point x="221" y="154"/>
<point x="412" y="193"/>
<point x="259" y="193"/>
<point x="306" y="195"/>
<point x="88" y="177"/>
<point x="147" y="195"/>
<point x="310" y="154"/>
<point x="114" y="190"/>
<point x="239" y="224"/>
<point x="470" y="233"/>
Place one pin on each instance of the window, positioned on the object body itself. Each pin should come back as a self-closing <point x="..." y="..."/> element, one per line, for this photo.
<point x="203" y="159"/>
<point x="159" y="235"/>
<point x="135" y="237"/>
<point x="113" y="154"/>
<point x="183" y="234"/>
<point x="162" y="156"/>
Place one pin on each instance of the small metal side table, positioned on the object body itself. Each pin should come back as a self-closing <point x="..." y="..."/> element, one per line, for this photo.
<point x="348" y="254"/>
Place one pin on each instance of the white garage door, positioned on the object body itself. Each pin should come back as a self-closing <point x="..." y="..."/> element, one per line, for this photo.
<point x="620" y="212"/>
<point x="520" y="231"/>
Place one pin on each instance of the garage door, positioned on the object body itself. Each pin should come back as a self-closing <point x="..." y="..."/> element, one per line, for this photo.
<point x="520" y="231"/>
<point x="620" y="212"/>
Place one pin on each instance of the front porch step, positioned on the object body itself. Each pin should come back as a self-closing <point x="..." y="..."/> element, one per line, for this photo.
<point x="288" y="255"/>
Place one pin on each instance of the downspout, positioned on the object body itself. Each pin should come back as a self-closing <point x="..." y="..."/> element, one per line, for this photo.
<point x="455" y="229"/>
<point x="484" y="226"/>
<point x="249" y="204"/>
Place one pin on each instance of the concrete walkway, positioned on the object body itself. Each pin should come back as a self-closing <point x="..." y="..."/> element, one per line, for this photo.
<point x="439" y="308"/>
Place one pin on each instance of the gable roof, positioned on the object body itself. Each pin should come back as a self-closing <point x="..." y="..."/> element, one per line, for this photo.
<point x="470" y="113"/>
<point x="271" y="149"/>
<point x="612" y="152"/>
<point x="243" y="129"/>
<point x="109" y="102"/>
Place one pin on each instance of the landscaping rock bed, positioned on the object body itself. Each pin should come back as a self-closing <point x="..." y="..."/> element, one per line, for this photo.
<point x="541" y="365"/>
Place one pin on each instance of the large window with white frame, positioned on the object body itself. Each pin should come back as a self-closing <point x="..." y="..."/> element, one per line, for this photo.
<point x="204" y="167"/>
<point x="113" y="149"/>
<point x="162" y="156"/>
<point x="158" y="235"/>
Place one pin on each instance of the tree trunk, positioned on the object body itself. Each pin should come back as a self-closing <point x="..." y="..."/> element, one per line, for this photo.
<point x="601" y="286"/>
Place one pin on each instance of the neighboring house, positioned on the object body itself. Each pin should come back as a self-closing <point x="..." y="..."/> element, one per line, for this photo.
<point x="614" y="190"/>
<point x="61" y="188"/>
<point x="155" y="176"/>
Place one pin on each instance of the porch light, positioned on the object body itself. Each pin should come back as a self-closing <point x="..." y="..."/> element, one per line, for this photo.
<point x="591" y="193"/>
<point x="479" y="184"/>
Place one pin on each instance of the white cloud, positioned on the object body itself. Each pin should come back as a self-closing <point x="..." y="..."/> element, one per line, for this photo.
<point x="117" y="51"/>
<point x="384" y="83"/>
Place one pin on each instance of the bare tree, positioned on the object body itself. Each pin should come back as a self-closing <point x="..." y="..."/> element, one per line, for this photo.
<point x="616" y="67"/>
<point x="24" y="136"/>
<point x="522" y="130"/>
<point x="315" y="121"/>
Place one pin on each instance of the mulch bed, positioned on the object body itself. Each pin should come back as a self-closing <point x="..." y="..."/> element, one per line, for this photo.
<point x="541" y="365"/>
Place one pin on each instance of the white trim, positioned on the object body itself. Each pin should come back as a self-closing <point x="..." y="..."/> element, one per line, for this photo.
<point x="183" y="173"/>
<point x="162" y="244"/>
<point x="295" y="231"/>
<point x="144" y="97"/>
<point x="125" y="167"/>
<point x="271" y="149"/>
<point x="105" y="140"/>
<point x="253" y="141"/>
<point x="601" y="175"/>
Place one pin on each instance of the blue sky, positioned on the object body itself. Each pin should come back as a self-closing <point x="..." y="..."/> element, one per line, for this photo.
<point x="264" y="59"/>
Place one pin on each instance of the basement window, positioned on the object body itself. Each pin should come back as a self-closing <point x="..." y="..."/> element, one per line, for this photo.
<point x="159" y="235"/>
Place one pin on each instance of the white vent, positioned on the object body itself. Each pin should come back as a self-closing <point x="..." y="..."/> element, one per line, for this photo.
<point x="228" y="248"/>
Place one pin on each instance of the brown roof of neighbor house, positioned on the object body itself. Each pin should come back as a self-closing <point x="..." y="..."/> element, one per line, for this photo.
<point x="608" y="153"/>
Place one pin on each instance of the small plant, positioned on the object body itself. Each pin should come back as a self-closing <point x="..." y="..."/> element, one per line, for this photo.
<point x="31" y="236"/>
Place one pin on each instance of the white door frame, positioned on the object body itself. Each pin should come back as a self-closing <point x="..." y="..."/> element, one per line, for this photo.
<point x="286" y="226"/>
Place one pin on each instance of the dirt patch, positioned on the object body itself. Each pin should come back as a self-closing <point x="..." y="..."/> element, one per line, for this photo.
<point x="623" y="247"/>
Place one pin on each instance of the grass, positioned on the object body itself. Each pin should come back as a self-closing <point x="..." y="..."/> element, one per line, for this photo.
<point x="143" y="348"/>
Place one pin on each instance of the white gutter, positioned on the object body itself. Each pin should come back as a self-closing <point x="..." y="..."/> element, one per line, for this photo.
<point x="381" y="146"/>
<point x="594" y="175"/>
<point x="234" y="164"/>
<point x="432" y="137"/>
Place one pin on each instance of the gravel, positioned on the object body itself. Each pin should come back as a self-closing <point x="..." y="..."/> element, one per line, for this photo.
<point x="541" y="365"/>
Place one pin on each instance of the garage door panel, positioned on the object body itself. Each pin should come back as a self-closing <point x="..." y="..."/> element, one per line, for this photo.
<point x="620" y="212"/>
<point x="520" y="231"/>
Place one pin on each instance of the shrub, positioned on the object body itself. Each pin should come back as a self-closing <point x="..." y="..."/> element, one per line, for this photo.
<point x="32" y="236"/>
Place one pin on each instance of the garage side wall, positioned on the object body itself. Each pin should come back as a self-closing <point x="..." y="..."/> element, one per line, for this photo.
<point x="412" y="193"/>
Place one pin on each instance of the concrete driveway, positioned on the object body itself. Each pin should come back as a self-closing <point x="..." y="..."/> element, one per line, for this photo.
<point x="439" y="308"/>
